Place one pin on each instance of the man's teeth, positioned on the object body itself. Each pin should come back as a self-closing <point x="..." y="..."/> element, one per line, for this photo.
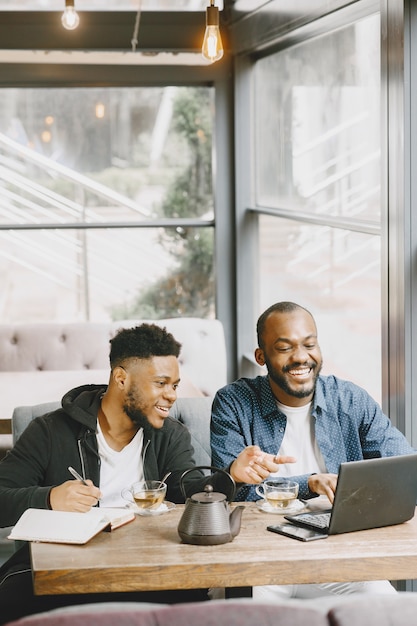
<point x="300" y="372"/>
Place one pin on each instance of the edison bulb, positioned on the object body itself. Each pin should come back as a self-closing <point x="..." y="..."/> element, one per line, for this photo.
<point x="212" y="45"/>
<point x="212" y="49"/>
<point x="70" y="18"/>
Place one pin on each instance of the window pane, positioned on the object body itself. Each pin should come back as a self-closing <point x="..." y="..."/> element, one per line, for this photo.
<point x="106" y="274"/>
<point x="335" y="274"/>
<point x="119" y="156"/>
<point x="111" y="154"/>
<point x="318" y="124"/>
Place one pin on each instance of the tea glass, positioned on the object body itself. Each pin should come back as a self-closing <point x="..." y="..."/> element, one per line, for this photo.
<point x="146" y="494"/>
<point x="278" y="492"/>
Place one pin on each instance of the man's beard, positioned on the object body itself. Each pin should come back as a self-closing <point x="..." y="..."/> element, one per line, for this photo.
<point x="283" y="383"/>
<point x="137" y="416"/>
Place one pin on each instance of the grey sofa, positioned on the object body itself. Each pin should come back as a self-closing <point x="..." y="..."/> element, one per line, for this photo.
<point x="40" y="362"/>
<point x="356" y="610"/>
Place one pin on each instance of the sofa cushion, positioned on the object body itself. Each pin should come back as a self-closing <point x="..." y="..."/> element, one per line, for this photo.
<point x="216" y="613"/>
<point x="375" y="610"/>
<point x="239" y="613"/>
<point x="94" y="614"/>
<point x="40" y="362"/>
<point x="24" y="388"/>
<point x="85" y="346"/>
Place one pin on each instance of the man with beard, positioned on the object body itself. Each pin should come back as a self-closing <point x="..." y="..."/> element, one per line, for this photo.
<point x="293" y="411"/>
<point x="113" y="436"/>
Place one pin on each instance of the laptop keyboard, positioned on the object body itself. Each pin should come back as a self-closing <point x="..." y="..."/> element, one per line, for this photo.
<point x="319" y="520"/>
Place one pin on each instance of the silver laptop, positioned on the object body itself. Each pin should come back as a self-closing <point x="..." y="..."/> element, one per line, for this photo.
<point x="369" y="494"/>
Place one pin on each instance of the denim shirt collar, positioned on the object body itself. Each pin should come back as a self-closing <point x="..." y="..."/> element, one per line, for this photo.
<point x="269" y="403"/>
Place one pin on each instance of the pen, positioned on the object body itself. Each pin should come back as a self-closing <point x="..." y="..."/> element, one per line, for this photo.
<point x="76" y="475"/>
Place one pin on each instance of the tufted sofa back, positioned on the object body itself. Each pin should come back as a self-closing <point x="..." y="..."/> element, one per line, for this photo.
<point x="85" y="346"/>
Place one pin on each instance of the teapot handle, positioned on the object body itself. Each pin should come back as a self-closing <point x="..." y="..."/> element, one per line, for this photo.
<point x="213" y="469"/>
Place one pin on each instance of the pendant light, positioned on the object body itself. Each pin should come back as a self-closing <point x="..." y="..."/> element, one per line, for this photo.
<point x="212" y="49"/>
<point x="70" y="18"/>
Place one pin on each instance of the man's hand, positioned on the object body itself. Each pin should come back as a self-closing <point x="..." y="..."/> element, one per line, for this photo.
<point x="252" y="465"/>
<point x="74" y="496"/>
<point x="323" y="484"/>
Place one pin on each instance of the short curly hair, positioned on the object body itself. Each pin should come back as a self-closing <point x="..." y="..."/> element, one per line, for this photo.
<point x="142" y="342"/>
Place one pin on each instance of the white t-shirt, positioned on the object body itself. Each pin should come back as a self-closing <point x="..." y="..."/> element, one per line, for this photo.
<point x="300" y="441"/>
<point x="119" y="469"/>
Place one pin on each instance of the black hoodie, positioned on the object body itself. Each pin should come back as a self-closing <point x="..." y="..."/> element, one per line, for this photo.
<point x="51" y="443"/>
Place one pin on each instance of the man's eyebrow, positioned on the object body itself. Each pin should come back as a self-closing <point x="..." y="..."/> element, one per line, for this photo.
<point x="287" y="340"/>
<point x="167" y="377"/>
<point x="282" y="339"/>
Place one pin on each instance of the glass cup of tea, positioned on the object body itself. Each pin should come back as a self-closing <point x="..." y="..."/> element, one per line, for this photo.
<point x="278" y="492"/>
<point x="146" y="494"/>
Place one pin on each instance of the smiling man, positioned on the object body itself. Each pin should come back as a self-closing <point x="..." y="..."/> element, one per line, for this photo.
<point x="294" y="412"/>
<point x="113" y="435"/>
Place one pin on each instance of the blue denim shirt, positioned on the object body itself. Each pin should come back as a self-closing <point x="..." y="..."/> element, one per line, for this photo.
<point x="349" y="425"/>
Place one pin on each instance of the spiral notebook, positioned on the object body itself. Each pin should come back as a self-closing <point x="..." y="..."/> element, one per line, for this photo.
<point x="67" y="527"/>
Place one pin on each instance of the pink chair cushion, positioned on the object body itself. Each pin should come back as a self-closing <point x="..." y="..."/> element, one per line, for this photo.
<point x="376" y="610"/>
<point x="214" y="613"/>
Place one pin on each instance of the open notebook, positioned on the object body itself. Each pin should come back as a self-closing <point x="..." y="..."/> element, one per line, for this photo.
<point x="67" y="527"/>
<point x="369" y="494"/>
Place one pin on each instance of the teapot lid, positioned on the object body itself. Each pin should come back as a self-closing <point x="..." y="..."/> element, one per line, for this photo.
<point x="208" y="495"/>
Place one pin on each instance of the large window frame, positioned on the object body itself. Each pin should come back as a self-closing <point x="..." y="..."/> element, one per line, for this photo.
<point x="54" y="75"/>
<point x="398" y="231"/>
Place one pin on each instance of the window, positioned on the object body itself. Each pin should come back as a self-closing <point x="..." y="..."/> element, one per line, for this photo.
<point x="318" y="178"/>
<point x="106" y="209"/>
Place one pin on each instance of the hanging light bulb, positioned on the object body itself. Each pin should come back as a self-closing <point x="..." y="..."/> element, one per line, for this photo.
<point x="70" y="18"/>
<point x="212" y="49"/>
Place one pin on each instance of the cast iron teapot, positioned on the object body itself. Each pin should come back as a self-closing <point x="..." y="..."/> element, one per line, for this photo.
<point x="207" y="519"/>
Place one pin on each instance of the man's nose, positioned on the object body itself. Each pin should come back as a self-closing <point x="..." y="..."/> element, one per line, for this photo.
<point x="300" y="354"/>
<point x="170" y="392"/>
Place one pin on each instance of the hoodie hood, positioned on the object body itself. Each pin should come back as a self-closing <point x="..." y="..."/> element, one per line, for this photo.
<point x="83" y="403"/>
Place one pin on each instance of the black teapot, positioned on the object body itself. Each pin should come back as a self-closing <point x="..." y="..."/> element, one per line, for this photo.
<point x="207" y="519"/>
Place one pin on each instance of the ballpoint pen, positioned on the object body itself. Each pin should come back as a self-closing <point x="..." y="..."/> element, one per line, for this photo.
<point x="76" y="475"/>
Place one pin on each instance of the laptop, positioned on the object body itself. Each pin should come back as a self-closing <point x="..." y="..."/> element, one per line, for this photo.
<point x="369" y="494"/>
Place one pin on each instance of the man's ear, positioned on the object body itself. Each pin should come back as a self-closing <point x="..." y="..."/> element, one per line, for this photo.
<point x="119" y="376"/>
<point x="259" y="356"/>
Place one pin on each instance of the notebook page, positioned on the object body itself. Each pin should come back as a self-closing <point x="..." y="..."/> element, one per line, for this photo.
<point x="58" y="526"/>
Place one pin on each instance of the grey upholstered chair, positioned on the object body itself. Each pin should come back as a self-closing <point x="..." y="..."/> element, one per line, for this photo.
<point x="22" y="415"/>
<point x="194" y="413"/>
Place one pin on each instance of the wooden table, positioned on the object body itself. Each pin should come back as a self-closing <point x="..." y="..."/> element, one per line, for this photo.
<point x="147" y="554"/>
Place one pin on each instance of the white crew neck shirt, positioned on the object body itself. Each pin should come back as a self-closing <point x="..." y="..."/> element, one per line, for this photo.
<point x="119" y="470"/>
<point x="300" y="442"/>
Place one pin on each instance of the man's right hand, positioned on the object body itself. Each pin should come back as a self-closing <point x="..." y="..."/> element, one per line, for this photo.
<point x="323" y="484"/>
<point x="73" y="495"/>
<point x="252" y="465"/>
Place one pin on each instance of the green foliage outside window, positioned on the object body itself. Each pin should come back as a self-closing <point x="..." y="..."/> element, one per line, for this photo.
<point x="188" y="289"/>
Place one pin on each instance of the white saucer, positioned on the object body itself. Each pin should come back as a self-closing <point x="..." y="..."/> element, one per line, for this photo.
<point x="296" y="507"/>
<point x="165" y="507"/>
